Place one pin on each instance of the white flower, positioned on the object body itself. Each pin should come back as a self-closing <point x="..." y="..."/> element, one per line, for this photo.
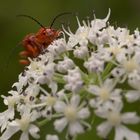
<point x="73" y="80"/>
<point x="123" y="132"/>
<point x="47" y="74"/>
<point x="120" y="37"/>
<point x="131" y="64"/>
<point x="95" y="35"/>
<point x="98" y="24"/>
<point x="104" y="93"/>
<point x="57" y="47"/>
<point x="80" y="37"/>
<point x="23" y="80"/>
<point x="81" y="34"/>
<point x="32" y="89"/>
<point x="23" y="124"/>
<point x="81" y="52"/>
<point x="116" y="119"/>
<point x="5" y="117"/>
<point x="134" y="94"/>
<point x="127" y="66"/>
<point x="47" y="102"/>
<point x="65" y="65"/>
<point x="94" y="64"/>
<point x="118" y="72"/>
<point x="8" y="114"/>
<point x="52" y="137"/>
<point x="12" y="99"/>
<point x="73" y="114"/>
<point x="47" y="77"/>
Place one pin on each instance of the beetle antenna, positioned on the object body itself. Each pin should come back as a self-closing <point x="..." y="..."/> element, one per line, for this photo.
<point x="59" y="15"/>
<point x="31" y="19"/>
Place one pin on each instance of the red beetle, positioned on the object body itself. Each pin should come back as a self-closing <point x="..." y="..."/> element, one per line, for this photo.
<point x="35" y="44"/>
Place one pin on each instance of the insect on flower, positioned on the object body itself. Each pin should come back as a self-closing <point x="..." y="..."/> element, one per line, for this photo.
<point x="35" y="44"/>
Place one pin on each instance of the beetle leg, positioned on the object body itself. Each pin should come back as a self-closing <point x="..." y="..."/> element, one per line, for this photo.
<point x="24" y="62"/>
<point x="33" y="50"/>
<point x="24" y="54"/>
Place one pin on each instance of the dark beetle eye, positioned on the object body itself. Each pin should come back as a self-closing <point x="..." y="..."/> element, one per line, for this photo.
<point x="44" y="33"/>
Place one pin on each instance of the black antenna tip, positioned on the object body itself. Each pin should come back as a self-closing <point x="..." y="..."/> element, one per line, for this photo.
<point x="59" y="15"/>
<point x="30" y="17"/>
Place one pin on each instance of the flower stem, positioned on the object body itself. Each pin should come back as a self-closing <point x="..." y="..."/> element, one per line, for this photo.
<point x="107" y="70"/>
<point x="42" y="123"/>
<point x="58" y="78"/>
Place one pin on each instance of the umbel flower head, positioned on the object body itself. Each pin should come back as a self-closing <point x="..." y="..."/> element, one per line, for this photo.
<point x="93" y="74"/>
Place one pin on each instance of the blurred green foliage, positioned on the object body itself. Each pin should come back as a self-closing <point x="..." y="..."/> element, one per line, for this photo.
<point x="125" y="13"/>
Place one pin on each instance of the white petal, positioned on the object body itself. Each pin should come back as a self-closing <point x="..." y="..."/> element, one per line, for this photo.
<point x="9" y="132"/>
<point x="52" y="137"/>
<point x="5" y="117"/>
<point x="53" y="86"/>
<point x="94" y="89"/>
<point x="108" y="84"/>
<point x="24" y="136"/>
<point x="3" y="125"/>
<point x="101" y="112"/>
<point x="108" y="15"/>
<point x="72" y="41"/>
<point x="83" y="113"/>
<point x="93" y="103"/>
<point x="60" y="124"/>
<point x="59" y="106"/>
<point x="132" y="96"/>
<point x="33" y="131"/>
<point x="117" y="106"/>
<point x="75" y="100"/>
<point x="61" y="94"/>
<point x="130" y="118"/>
<point x="103" y="129"/>
<point x="117" y="72"/>
<point x="116" y="96"/>
<point x="11" y="113"/>
<point x="75" y="128"/>
<point x="122" y="132"/>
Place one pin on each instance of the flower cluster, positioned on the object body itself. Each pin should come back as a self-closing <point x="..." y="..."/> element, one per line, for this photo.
<point x="95" y="73"/>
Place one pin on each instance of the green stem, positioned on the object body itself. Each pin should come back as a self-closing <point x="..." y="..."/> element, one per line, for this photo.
<point x="59" y="78"/>
<point x="42" y="123"/>
<point x="107" y="70"/>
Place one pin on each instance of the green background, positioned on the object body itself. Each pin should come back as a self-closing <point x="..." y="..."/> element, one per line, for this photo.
<point x="124" y="13"/>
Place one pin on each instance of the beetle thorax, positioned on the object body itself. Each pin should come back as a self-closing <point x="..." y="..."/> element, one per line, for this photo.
<point x="47" y="35"/>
